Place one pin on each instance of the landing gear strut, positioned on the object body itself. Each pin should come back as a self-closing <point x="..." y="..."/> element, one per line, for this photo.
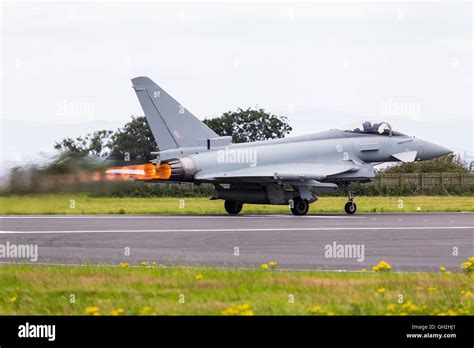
<point x="232" y="207"/>
<point x="299" y="206"/>
<point x="350" y="206"/>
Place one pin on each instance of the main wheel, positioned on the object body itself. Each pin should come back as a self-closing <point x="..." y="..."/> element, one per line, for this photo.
<point x="232" y="207"/>
<point x="350" y="208"/>
<point x="300" y="206"/>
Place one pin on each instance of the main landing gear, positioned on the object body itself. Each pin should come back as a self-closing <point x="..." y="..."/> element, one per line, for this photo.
<point x="350" y="206"/>
<point x="232" y="207"/>
<point x="299" y="206"/>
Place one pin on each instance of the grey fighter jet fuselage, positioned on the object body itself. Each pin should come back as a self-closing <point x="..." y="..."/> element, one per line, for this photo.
<point x="279" y="171"/>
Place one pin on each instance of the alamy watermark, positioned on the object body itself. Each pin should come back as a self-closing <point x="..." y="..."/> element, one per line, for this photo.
<point x="393" y="108"/>
<point x="28" y="330"/>
<point x="240" y="155"/>
<point x="19" y="251"/>
<point x="346" y="251"/>
<point x="70" y="108"/>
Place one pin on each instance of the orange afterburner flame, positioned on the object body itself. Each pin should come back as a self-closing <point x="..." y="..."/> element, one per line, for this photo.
<point x="145" y="172"/>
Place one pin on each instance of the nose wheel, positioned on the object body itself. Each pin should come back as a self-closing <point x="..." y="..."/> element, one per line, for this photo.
<point x="350" y="206"/>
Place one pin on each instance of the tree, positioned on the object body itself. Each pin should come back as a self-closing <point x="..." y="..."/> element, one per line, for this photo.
<point x="249" y="125"/>
<point x="93" y="144"/>
<point x="133" y="143"/>
<point x="445" y="164"/>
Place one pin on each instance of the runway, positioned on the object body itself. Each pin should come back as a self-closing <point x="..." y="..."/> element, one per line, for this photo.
<point x="409" y="242"/>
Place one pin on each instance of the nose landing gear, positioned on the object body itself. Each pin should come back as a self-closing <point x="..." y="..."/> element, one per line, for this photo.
<point x="350" y="206"/>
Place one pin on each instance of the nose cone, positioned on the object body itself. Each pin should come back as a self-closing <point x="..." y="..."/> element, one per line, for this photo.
<point x="430" y="150"/>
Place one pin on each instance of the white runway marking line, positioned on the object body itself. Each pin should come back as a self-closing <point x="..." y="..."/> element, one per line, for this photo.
<point x="185" y="217"/>
<point x="246" y="230"/>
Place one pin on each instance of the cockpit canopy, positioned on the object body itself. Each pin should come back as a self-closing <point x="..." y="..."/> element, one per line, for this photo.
<point x="371" y="127"/>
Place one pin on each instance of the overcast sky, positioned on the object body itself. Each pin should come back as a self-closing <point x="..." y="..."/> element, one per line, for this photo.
<point x="67" y="66"/>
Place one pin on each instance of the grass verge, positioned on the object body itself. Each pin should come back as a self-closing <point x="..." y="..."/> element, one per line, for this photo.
<point x="83" y="204"/>
<point x="154" y="290"/>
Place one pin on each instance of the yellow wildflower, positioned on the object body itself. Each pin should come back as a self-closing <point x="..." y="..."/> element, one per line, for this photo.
<point x="123" y="265"/>
<point x="92" y="310"/>
<point x="381" y="291"/>
<point x="243" y="309"/>
<point x="230" y="311"/>
<point x="468" y="266"/>
<point x="410" y="307"/>
<point x="12" y="299"/>
<point x="272" y="264"/>
<point x="391" y="307"/>
<point x="117" y="311"/>
<point x="199" y="277"/>
<point x="382" y="266"/>
<point x="264" y="266"/>
<point x="145" y="310"/>
<point x="465" y="265"/>
<point x="317" y="310"/>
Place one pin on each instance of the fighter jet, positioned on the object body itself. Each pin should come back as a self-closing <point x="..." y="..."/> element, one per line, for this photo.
<point x="286" y="171"/>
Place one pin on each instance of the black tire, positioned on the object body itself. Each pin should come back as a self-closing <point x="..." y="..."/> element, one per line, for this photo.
<point x="350" y="208"/>
<point x="232" y="207"/>
<point x="300" y="206"/>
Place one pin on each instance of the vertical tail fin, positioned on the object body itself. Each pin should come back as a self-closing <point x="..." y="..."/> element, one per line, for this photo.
<point x="171" y="124"/>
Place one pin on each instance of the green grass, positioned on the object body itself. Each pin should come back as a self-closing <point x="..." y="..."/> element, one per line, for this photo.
<point x="47" y="290"/>
<point x="83" y="204"/>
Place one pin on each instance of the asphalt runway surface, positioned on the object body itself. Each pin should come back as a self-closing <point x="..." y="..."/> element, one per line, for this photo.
<point x="409" y="242"/>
